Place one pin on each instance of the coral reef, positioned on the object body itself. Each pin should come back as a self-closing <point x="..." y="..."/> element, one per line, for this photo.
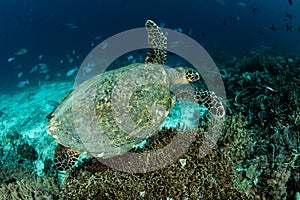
<point x="257" y="155"/>
<point x="18" y="183"/>
<point x="191" y="176"/>
<point x="23" y="138"/>
<point x="265" y="89"/>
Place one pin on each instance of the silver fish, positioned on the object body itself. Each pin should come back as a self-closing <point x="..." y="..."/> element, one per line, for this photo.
<point x="22" y="83"/>
<point x="21" y="51"/>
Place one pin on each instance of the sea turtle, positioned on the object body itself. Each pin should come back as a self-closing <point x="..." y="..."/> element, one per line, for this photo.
<point x="110" y="113"/>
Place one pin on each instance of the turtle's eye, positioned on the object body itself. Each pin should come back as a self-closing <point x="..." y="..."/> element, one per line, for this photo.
<point x="192" y="75"/>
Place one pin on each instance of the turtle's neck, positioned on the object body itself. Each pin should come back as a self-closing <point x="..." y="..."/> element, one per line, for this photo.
<point x="176" y="76"/>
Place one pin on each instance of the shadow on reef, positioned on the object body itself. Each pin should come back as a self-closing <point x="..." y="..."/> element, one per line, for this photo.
<point x="257" y="155"/>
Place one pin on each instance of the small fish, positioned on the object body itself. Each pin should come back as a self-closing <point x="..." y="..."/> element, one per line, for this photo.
<point x="203" y="34"/>
<point x="224" y="23"/>
<point x="269" y="88"/>
<point x="179" y="29"/>
<point x="133" y="61"/>
<point x="21" y="51"/>
<point x="53" y="103"/>
<point x="47" y="77"/>
<point x="22" y="83"/>
<point x="88" y="69"/>
<point x="289" y="28"/>
<point x="273" y="28"/>
<point x="92" y="64"/>
<point x="10" y="59"/>
<point x="237" y="18"/>
<point x="130" y="57"/>
<point x="221" y="2"/>
<point x="44" y="71"/>
<point x="34" y="69"/>
<point x="97" y="37"/>
<point x="20" y="74"/>
<point x="291" y="2"/>
<point x="71" y="71"/>
<point x="71" y="59"/>
<point x="189" y="31"/>
<point x="254" y="9"/>
<point x="92" y="44"/>
<point x="162" y="25"/>
<point x="140" y="58"/>
<point x="61" y="61"/>
<point x="71" y="26"/>
<point x="41" y="57"/>
<point x="289" y="15"/>
<point x="241" y="4"/>
<point x="43" y="66"/>
<point x="103" y="45"/>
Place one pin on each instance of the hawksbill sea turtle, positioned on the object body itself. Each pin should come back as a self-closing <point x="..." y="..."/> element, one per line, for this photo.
<point x="110" y="113"/>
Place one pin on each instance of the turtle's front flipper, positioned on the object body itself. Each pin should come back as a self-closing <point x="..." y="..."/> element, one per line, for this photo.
<point x="211" y="101"/>
<point x="208" y="99"/>
<point x="157" y="44"/>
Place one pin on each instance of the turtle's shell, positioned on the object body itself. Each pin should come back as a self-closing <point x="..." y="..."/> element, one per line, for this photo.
<point x="112" y="112"/>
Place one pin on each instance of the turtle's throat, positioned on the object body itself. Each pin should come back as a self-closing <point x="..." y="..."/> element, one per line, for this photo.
<point x="176" y="76"/>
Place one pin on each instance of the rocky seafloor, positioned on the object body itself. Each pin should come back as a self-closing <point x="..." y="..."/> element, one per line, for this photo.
<point x="257" y="155"/>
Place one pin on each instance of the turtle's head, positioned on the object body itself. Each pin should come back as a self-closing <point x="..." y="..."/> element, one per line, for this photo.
<point x="192" y="75"/>
<point x="182" y="75"/>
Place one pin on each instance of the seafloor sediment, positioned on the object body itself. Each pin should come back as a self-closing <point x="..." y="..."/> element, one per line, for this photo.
<point x="257" y="155"/>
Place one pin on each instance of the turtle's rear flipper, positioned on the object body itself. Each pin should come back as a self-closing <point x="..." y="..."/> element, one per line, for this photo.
<point x="64" y="159"/>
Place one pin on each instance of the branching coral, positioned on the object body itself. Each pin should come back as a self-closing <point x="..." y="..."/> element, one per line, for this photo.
<point x="23" y="184"/>
<point x="191" y="176"/>
<point x="268" y="97"/>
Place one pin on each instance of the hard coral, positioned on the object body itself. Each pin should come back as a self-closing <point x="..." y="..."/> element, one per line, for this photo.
<point x="23" y="184"/>
<point x="191" y="176"/>
<point x="268" y="97"/>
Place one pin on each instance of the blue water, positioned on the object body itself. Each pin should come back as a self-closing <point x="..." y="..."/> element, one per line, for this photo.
<point x="40" y="27"/>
